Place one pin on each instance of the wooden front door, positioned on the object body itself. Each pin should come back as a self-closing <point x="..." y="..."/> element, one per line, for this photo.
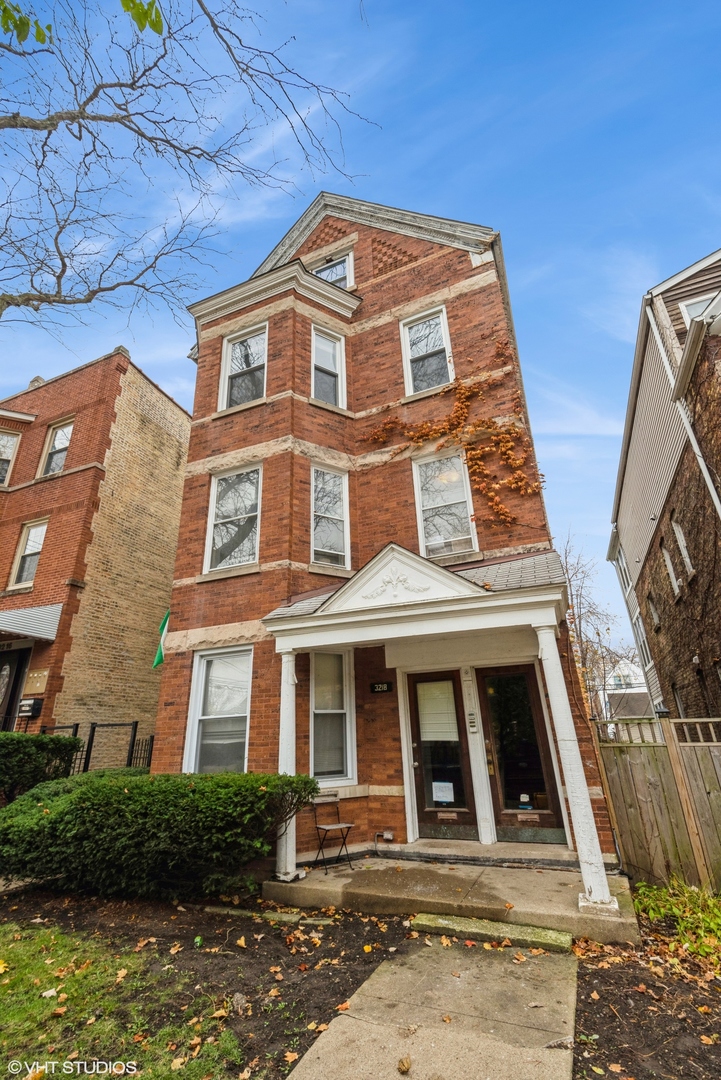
<point x="523" y="785"/>
<point x="12" y="664"/>
<point x="441" y="767"/>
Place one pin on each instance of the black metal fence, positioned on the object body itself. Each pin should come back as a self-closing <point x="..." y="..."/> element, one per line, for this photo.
<point x="139" y="752"/>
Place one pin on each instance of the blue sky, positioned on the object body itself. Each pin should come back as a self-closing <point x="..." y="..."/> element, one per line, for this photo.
<point x="587" y="135"/>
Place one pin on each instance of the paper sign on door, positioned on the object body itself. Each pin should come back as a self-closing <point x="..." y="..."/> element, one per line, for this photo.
<point x="443" y="792"/>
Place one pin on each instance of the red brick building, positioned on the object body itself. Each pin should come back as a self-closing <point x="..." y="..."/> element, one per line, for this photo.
<point x="365" y="586"/>
<point x="86" y="558"/>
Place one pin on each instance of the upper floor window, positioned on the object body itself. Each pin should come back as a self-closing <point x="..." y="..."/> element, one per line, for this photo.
<point x="669" y="567"/>
<point x="622" y="568"/>
<point x="8" y="445"/>
<point x="691" y="308"/>
<point x="31" y="544"/>
<point x="57" y="448"/>
<point x="244" y="369"/>
<point x="445" y="506"/>
<point x="643" y="649"/>
<point x="233" y="535"/>
<point x="338" y="271"/>
<point x="681" y="541"/>
<point x="328" y="368"/>
<point x="426" y="351"/>
<point x="332" y="753"/>
<point x="330" y="518"/>
<point x="653" y="610"/>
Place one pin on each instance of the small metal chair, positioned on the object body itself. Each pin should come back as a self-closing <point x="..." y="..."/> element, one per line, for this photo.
<point x="326" y="831"/>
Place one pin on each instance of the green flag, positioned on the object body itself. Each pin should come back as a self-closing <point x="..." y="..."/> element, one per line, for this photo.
<point x="160" y="655"/>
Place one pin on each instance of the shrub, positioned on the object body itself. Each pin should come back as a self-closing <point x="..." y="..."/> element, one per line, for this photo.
<point x="151" y="836"/>
<point x="696" y="914"/>
<point x="27" y="760"/>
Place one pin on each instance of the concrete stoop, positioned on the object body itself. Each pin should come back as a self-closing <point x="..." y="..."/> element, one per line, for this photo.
<point x="522" y="897"/>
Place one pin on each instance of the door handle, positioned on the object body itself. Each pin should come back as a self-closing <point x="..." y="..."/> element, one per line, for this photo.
<point x="415" y="764"/>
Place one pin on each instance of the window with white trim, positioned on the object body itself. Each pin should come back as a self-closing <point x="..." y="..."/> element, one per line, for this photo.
<point x="31" y="544"/>
<point x="653" y="610"/>
<point x="622" y="567"/>
<point x="244" y="367"/>
<point x="223" y="711"/>
<point x="328" y="367"/>
<point x="426" y="351"/>
<point x="57" y="448"/>
<point x="669" y="567"/>
<point x="330" y="518"/>
<point x="690" y="309"/>
<point x="234" y="521"/>
<point x="681" y="541"/>
<point x="8" y="445"/>
<point x="643" y="649"/>
<point x="337" y="270"/>
<point x="678" y="702"/>
<point x="332" y="749"/>
<point x="445" y="506"/>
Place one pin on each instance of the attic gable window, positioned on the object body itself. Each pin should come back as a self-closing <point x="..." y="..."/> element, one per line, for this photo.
<point x="338" y="271"/>
<point x="426" y="352"/>
<point x="244" y="369"/>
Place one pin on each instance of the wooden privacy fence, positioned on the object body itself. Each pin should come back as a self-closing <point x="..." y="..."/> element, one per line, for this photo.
<point x="663" y="780"/>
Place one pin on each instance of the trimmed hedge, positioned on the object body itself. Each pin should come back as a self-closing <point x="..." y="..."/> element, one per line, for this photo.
<point x="118" y="834"/>
<point x="27" y="760"/>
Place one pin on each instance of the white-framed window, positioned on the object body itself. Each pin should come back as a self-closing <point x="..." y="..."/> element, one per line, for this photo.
<point x="678" y="702"/>
<point x="643" y="649"/>
<point x="681" y="541"/>
<point x="333" y="721"/>
<point x="691" y="308"/>
<point x="57" y="448"/>
<point x="444" y="506"/>
<point x="328" y="377"/>
<point x="653" y="610"/>
<point x="8" y="447"/>
<point x="338" y="269"/>
<point x="669" y="568"/>
<point x="623" y="573"/>
<point x="27" y="558"/>
<point x="217" y="737"/>
<point x="426" y="347"/>
<point x="243" y="369"/>
<point x="234" y="519"/>
<point x="331" y="531"/>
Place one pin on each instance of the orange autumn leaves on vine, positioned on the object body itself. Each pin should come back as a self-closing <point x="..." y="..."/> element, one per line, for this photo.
<point x="482" y="439"/>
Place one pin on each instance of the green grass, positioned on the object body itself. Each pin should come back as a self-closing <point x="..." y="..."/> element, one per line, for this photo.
<point x="108" y="1015"/>
<point x="695" y="912"/>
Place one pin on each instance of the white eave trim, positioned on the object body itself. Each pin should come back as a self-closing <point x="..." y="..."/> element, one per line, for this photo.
<point x="638" y="359"/>
<point x="438" y="230"/>
<point x="24" y="417"/>
<point x="688" y="272"/>
<point x="694" y="340"/>
<point x="291" y="276"/>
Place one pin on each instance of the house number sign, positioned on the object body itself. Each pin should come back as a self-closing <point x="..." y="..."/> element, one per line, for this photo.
<point x="381" y="687"/>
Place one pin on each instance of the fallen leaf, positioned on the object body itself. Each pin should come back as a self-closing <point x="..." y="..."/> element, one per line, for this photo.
<point x="535" y="1004"/>
<point x="140" y="1037"/>
<point x="470" y="944"/>
<point x="446" y="1019"/>
<point x="121" y="975"/>
<point x="61" y="1011"/>
<point x="597" y="1070"/>
<point x="538" y="952"/>
<point x="595" y="996"/>
<point x="704" y="1009"/>
<point x="428" y="942"/>
<point x="446" y="942"/>
<point x="505" y="942"/>
<point x="456" y="974"/>
<point x="322" y="1027"/>
<point x="412" y="934"/>
<point x="176" y="947"/>
<point x="367" y="948"/>
<point x="62" y="997"/>
<point x="302" y="967"/>
<point x="641" y="988"/>
<point x="275" y="992"/>
<point x="279" y="977"/>
<point x="245" y="1075"/>
<point x="487" y="945"/>
<point x="616" y="1068"/>
<point x="519" y="958"/>
<point x="195" y="1041"/>
<point x="706" y="1040"/>
<point x="274" y="969"/>
<point x="177" y="1063"/>
<point x="404" y="1065"/>
<point x="141" y="944"/>
<point x="241" y="943"/>
<point x="508" y="907"/>
<point x="290" y="1055"/>
<point x="4" y="966"/>
<point x="343" y="1007"/>
<point x="218" y="1014"/>
<point x="194" y="1020"/>
<point x="312" y="1026"/>
<point x="90" y="1021"/>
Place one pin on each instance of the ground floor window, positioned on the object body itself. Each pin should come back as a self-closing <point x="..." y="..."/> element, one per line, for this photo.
<point x="223" y="701"/>
<point x="332" y="753"/>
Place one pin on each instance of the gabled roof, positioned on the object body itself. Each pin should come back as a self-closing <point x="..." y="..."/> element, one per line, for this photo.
<point x="438" y="230"/>
<point x="701" y="264"/>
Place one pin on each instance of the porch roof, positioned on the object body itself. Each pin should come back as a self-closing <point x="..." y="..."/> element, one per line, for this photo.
<point x="32" y="622"/>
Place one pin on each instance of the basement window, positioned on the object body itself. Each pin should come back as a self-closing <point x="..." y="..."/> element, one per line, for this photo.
<point x="58" y="443"/>
<point x="8" y="445"/>
<point x="235" y="520"/>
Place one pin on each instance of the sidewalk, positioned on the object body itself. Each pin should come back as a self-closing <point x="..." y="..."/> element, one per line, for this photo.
<point x="454" y="1014"/>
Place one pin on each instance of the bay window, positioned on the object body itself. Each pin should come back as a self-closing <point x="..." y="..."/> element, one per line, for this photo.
<point x="234" y="520"/>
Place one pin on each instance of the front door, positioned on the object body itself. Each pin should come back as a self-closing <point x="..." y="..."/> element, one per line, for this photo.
<point x="525" y="797"/>
<point x="444" y="790"/>
<point x="12" y="666"/>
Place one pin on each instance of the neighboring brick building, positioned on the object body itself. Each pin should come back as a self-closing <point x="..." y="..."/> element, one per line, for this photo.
<point x="666" y="541"/>
<point x="91" y="474"/>
<point x="378" y="606"/>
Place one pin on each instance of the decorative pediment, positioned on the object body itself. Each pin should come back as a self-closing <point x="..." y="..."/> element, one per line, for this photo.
<point x="394" y="577"/>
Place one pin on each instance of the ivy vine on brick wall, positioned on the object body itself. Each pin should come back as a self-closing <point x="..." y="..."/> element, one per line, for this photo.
<point x="487" y="443"/>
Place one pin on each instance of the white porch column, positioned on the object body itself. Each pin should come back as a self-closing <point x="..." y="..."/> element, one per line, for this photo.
<point x="285" y="854"/>
<point x="595" y="882"/>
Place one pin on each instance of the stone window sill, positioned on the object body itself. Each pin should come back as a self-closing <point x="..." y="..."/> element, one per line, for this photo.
<point x="456" y="558"/>
<point x="237" y="408"/>
<point x="425" y="393"/>
<point x="17" y="590"/>
<point x="233" y="571"/>
<point x="331" y="408"/>
<point x="334" y="571"/>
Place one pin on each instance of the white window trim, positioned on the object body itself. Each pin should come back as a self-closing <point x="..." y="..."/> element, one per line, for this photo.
<point x="350" y="720"/>
<point x="18" y="436"/>
<point x="328" y="260"/>
<point x="49" y="436"/>
<point x="406" y="349"/>
<point x="324" y="332"/>
<point x="693" y="300"/>
<point x="682" y="547"/>
<point x="346" y="517"/>
<point x="190" y="752"/>
<point x="207" y="569"/>
<point x="670" y="568"/>
<point x="642" y="642"/>
<point x="26" y="527"/>
<point x="228" y="342"/>
<point x="417" y="462"/>
<point x="623" y="572"/>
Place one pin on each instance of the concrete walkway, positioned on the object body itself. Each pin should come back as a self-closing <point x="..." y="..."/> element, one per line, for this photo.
<point x="454" y="1014"/>
<point x="533" y="897"/>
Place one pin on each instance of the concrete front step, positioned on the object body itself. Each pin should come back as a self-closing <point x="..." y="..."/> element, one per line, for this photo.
<point x="525" y="937"/>
<point x="527" y="897"/>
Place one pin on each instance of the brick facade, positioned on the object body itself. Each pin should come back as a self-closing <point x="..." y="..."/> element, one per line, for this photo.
<point x="108" y="549"/>
<point x="397" y="276"/>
